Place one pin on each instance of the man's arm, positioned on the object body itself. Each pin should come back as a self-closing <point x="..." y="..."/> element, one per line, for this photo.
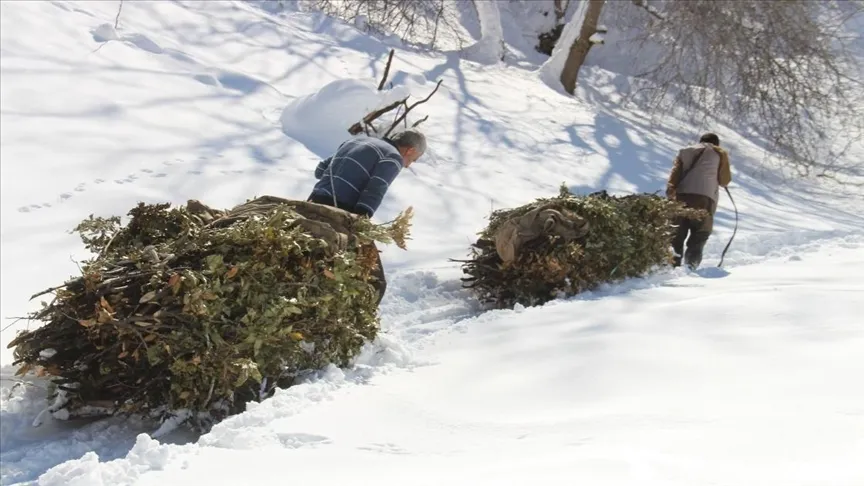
<point x="383" y="174"/>
<point x="674" y="178"/>
<point x="322" y="166"/>
<point x="724" y="172"/>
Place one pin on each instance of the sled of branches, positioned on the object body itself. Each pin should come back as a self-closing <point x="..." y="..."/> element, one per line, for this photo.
<point x="197" y="310"/>
<point x="367" y="125"/>
<point x="561" y="246"/>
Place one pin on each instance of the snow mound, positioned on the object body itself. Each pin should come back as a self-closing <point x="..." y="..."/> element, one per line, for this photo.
<point x="105" y="33"/>
<point x="320" y="120"/>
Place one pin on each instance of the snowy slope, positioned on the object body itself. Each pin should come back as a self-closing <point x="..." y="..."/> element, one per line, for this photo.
<point x="185" y="103"/>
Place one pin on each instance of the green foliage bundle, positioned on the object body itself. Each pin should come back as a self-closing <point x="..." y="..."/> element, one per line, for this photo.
<point x="629" y="235"/>
<point x="201" y="310"/>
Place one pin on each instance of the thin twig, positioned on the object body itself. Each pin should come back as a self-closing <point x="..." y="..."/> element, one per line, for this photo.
<point x="117" y="19"/>
<point x="386" y="70"/>
<point x="408" y="110"/>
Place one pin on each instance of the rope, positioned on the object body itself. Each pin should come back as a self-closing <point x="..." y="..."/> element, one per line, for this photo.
<point x="722" y="255"/>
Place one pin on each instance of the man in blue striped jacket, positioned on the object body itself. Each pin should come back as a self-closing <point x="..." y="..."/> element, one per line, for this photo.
<point x="357" y="176"/>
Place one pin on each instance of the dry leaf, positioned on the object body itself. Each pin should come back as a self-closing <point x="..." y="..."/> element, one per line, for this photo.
<point x="147" y="297"/>
<point x="232" y="272"/>
<point x="149" y="338"/>
<point x="87" y="322"/>
<point x="329" y="274"/>
<point x="184" y="395"/>
<point x="296" y="336"/>
<point x="106" y="305"/>
<point x="123" y="355"/>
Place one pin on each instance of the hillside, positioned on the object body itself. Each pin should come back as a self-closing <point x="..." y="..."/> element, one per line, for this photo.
<point x="744" y="375"/>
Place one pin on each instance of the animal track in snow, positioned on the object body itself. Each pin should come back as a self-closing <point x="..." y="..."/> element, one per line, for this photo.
<point x="135" y="177"/>
<point x="385" y="448"/>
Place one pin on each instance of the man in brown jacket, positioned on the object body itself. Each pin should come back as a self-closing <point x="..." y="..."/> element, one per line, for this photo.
<point x="697" y="174"/>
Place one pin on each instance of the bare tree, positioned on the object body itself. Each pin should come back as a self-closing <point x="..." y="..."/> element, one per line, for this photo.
<point x="579" y="49"/>
<point x="490" y="48"/>
<point x="412" y="20"/>
<point x="783" y="70"/>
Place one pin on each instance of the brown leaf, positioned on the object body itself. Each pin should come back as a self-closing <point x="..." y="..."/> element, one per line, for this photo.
<point x="87" y="322"/>
<point x="106" y="305"/>
<point x="175" y="282"/>
<point x="147" y="297"/>
<point x="123" y="355"/>
<point x="143" y="323"/>
<point x="184" y="395"/>
<point x="40" y="371"/>
<point x="149" y="338"/>
<point x="329" y="274"/>
<point x="232" y="272"/>
<point x="196" y="360"/>
<point x="23" y="370"/>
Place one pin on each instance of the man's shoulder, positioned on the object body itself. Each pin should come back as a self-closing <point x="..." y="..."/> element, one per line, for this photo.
<point x="373" y="147"/>
<point x="375" y="143"/>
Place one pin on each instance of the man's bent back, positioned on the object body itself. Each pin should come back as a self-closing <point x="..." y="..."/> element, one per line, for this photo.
<point x="358" y="175"/>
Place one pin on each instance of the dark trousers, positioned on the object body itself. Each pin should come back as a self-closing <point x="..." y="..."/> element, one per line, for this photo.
<point x="698" y="230"/>
<point x="379" y="282"/>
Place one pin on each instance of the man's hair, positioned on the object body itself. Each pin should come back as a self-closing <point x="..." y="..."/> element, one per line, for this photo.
<point x="410" y="138"/>
<point x="710" y="138"/>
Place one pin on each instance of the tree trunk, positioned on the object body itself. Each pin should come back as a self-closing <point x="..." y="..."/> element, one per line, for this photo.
<point x="490" y="48"/>
<point x="560" y="10"/>
<point x="579" y="49"/>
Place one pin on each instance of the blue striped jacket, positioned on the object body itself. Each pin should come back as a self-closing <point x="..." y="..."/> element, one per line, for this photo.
<point x="358" y="174"/>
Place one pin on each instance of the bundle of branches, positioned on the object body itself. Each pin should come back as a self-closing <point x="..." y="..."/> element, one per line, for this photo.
<point x="561" y="246"/>
<point x="198" y="311"/>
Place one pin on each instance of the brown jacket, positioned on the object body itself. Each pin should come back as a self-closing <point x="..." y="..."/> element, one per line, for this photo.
<point x="704" y="178"/>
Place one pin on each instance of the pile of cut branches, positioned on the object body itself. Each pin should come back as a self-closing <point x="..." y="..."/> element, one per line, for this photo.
<point x="561" y="246"/>
<point x="198" y="310"/>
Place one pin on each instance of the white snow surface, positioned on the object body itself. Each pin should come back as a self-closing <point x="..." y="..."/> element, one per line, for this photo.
<point x="744" y="375"/>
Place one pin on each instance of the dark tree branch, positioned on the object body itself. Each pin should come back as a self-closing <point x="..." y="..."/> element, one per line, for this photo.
<point x="411" y="107"/>
<point x="386" y="70"/>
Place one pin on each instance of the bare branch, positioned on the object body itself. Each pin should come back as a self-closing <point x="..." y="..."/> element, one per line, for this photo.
<point x="401" y="116"/>
<point x="386" y="70"/>
<point x="117" y="19"/>
<point x="651" y="10"/>
<point x="409" y="108"/>
<point x="357" y="127"/>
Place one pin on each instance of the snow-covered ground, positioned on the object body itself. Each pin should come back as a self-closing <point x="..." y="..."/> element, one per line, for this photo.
<point x="748" y="375"/>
